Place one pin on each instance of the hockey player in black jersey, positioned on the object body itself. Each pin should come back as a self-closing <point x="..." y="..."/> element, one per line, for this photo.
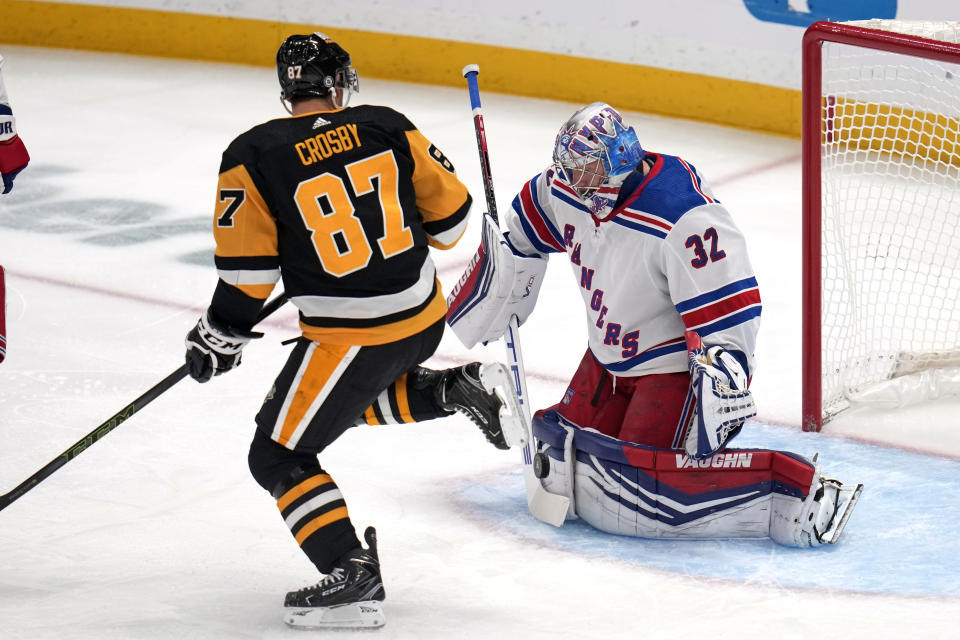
<point x="342" y="204"/>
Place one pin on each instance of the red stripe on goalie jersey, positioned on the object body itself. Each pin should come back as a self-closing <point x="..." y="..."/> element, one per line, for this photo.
<point x="722" y="308"/>
<point x="536" y="216"/>
<point x="244" y="228"/>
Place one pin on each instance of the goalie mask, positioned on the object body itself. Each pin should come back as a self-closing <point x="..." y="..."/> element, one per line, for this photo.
<point x="315" y="65"/>
<point x="594" y="152"/>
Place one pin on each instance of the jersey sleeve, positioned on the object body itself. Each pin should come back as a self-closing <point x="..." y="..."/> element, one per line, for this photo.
<point x="711" y="281"/>
<point x="531" y="223"/>
<point x="246" y="255"/>
<point x="443" y="200"/>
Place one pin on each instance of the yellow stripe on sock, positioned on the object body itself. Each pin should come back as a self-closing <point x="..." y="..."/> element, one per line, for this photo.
<point x="302" y="489"/>
<point x="370" y="416"/>
<point x="319" y="522"/>
<point x="403" y="403"/>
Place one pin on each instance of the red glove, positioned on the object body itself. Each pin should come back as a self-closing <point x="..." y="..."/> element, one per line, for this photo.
<point x="13" y="160"/>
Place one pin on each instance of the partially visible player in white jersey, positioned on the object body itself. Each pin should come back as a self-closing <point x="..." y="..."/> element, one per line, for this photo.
<point x="672" y="310"/>
<point x="13" y="159"/>
<point x="13" y="155"/>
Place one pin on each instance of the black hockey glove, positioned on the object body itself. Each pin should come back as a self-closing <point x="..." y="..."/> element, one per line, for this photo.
<point x="213" y="348"/>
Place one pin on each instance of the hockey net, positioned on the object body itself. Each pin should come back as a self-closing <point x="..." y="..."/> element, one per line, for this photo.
<point x="881" y="101"/>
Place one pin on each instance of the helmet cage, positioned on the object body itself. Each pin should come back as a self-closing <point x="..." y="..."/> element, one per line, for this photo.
<point x="315" y="65"/>
<point x="595" y="149"/>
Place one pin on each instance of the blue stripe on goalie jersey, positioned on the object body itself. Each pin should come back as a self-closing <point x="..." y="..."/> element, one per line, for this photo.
<point x="540" y="244"/>
<point x="528" y="231"/>
<point x="646" y="356"/>
<point x="570" y="200"/>
<point x="5" y="110"/>
<point x="730" y="321"/>
<point x="639" y="226"/>
<point x="535" y="198"/>
<point x="712" y="296"/>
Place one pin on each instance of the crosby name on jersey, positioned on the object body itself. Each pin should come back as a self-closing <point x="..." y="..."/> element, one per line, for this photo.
<point x="668" y="257"/>
<point x="344" y="240"/>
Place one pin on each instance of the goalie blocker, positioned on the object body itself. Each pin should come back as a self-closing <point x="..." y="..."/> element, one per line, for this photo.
<point x="633" y="490"/>
<point x="496" y="285"/>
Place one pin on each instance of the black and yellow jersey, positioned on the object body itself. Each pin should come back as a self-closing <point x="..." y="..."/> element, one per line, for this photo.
<point x="343" y="206"/>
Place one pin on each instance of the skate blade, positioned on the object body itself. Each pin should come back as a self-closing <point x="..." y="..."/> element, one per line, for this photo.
<point x="496" y="379"/>
<point x="848" y="499"/>
<point x="354" y="615"/>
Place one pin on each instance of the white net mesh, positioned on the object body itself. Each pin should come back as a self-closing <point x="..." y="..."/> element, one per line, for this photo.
<point x="891" y="215"/>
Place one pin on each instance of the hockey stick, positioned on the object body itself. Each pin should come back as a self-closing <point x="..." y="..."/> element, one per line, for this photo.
<point x="115" y="420"/>
<point x="3" y="322"/>
<point x="546" y="507"/>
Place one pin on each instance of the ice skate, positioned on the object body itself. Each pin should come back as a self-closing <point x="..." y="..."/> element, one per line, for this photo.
<point x="349" y="597"/>
<point x="485" y="395"/>
<point x="836" y="502"/>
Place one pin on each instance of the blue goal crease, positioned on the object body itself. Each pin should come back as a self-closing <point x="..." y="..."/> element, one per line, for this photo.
<point x="901" y="538"/>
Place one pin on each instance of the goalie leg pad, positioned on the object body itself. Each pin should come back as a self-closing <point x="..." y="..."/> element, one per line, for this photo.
<point x="556" y="456"/>
<point x="648" y="492"/>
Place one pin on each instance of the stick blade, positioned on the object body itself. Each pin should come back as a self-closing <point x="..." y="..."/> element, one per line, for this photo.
<point x="544" y="506"/>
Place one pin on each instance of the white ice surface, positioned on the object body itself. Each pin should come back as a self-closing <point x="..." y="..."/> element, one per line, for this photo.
<point x="157" y="531"/>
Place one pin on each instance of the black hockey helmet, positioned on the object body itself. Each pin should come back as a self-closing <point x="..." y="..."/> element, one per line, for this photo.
<point x="312" y="65"/>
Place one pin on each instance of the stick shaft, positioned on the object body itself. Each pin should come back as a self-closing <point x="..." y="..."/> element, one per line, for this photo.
<point x="114" y="421"/>
<point x="470" y="73"/>
<point x="544" y="506"/>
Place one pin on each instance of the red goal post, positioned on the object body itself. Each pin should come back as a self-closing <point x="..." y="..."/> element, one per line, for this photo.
<point x="896" y="142"/>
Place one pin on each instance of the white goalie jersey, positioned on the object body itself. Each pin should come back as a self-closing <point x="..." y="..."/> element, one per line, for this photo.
<point x="666" y="259"/>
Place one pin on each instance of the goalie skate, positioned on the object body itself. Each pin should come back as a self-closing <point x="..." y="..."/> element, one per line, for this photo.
<point x="496" y="379"/>
<point x="353" y="615"/>
<point x="845" y="498"/>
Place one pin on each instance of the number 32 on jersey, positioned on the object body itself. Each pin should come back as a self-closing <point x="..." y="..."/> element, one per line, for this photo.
<point x="698" y="244"/>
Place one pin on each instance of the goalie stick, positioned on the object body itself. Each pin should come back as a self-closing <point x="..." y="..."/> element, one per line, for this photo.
<point x="3" y="315"/>
<point x="114" y="421"/>
<point x="544" y="506"/>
